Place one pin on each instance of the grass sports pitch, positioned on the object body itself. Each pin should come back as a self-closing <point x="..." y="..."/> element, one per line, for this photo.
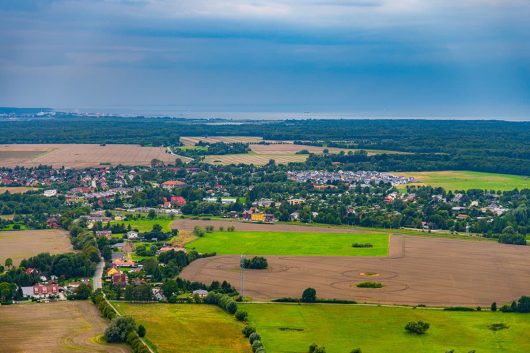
<point x="291" y="243"/>
<point x="288" y="328"/>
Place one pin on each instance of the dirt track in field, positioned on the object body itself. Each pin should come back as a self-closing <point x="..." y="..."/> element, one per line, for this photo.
<point x="436" y="272"/>
<point x="22" y="244"/>
<point x="189" y="224"/>
<point x="54" y="328"/>
<point x="81" y="155"/>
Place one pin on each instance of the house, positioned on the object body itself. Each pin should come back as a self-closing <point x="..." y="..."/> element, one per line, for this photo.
<point x="112" y="271"/>
<point x="122" y="263"/>
<point x="201" y="293"/>
<point x="295" y="216"/>
<point x="41" y="290"/>
<point x="158" y="294"/>
<point x="119" y="279"/>
<point x="294" y="202"/>
<point x="171" y="184"/>
<point x="50" y="193"/>
<point x="104" y="233"/>
<point x="178" y="201"/>
<point x="131" y="235"/>
<point x="233" y="214"/>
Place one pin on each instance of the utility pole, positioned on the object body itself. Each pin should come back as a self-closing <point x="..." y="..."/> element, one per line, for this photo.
<point x="241" y="274"/>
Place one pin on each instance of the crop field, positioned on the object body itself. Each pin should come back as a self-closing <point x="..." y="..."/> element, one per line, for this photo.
<point x="289" y="243"/>
<point x="465" y="180"/>
<point x="188" y="328"/>
<point x="418" y="270"/>
<point x="290" y="148"/>
<point x="189" y="224"/>
<point x="72" y="326"/>
<point x="81" y="155"/>
<point x="192" y="140"/>
<point x="19" y="245"/>
<point x="256" y="159"/>
<point x="15" y="189"/>
<point x="340" y="328"/>
<point x="146" y="225"/>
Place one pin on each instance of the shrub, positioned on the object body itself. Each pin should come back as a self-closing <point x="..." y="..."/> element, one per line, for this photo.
<point x="241" y="315"/>
<point x="417" y="327"/>
<point x="254" y="337"/>
<point x="141" y="331"/>
<point x="458" y="308"/>
<point x="256" y="345"/>
<point x="119" y="328"/>
<point x="256" y="263"/>
<point x="498" y="326"/>
<point x="356" y="350"/>
<point x="370" y="285"/>
<point x="309" y="295"/>
<point x="248" y="330"/>
<point x="362" y="245"/>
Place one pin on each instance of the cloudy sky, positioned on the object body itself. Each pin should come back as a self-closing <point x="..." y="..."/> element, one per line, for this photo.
<point x="367" y="57"/>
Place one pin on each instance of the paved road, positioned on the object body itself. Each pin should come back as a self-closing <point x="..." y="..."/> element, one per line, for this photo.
<point x="99" y="274"/>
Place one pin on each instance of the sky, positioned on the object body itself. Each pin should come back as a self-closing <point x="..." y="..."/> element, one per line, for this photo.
<point x="432" y="58"/>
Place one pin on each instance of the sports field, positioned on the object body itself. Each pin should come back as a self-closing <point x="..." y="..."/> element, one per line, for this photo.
<point x="465" y="180"/>
<point x="287" y="328"/>
<point x="61" y="327"/>
<point x="188" y="328"/>
<point x="291" y="243"/>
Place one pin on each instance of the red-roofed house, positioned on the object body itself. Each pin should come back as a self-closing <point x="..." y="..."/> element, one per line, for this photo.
<point x="170" y="184"/>
<point x="178" y="201"/>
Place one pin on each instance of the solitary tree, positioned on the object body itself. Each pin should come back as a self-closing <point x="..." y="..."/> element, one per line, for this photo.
<point x="309" y="295"/>
<point x="8" y="262"/>
<point x="417" y="327"/>
<point x="494" y="306"/>
<point x="141" y="331"/>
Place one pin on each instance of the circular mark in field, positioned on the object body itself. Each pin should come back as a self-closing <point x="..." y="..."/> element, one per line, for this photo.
<point x="369" y="274"/>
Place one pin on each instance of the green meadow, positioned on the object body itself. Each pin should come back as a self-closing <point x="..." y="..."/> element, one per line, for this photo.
<point x="190" y="328"/>
<point x="288" y="328"/>
<point x="145" y="225"/>
<point x="465" y="180"/>
<point x="291" y="243"/>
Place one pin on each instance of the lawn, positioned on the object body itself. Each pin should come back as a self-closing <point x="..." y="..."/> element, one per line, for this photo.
<point x="465" y="180"/>
<point x="291" y="243"/>
<point x="188" y="327"/>
<point x="145" y="225"/>
<point x="288" y="328"/>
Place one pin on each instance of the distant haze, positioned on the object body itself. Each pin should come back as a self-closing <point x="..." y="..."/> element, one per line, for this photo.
<point x="360" y="58"/>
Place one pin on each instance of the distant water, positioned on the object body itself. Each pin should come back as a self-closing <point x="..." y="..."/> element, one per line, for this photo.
<point x="187" y="113"/>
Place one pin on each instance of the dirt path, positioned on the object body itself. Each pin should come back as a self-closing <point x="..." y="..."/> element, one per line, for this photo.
<point x="419" y="270"/>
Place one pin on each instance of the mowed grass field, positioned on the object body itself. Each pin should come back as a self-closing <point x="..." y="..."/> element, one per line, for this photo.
<point x="465" y="180"/>
<point x="22" y="244"/>
<point x="146" y="225"/>
<point x="287" y="328"/>
<point x="176" y="328"/>
<point x="291" y="243"/>
<point x="61" y="327"/>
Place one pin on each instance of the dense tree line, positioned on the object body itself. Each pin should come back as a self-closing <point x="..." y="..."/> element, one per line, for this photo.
<point x="218" y="148"/>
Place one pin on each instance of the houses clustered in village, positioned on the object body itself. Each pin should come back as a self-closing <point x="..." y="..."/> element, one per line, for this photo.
<point x="363" y="178"/>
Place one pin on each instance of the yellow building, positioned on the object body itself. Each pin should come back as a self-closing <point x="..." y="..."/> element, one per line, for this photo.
<point x="257" y="217"/>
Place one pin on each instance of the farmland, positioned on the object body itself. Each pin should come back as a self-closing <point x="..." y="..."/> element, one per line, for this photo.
<point x="188" y="328"/>
<point x="54" y="327"/>
<point x="465" y="180"/>
<point x="191" y="141"/>
<point x="256" y="159"/>
<point x="22" y="244"/>
<point x="418" y="270"/>
<point x="291" y="243"/>
<point x="81" y="155"/>
<point x="340" y="328"/>
<point x="15" y="189"/>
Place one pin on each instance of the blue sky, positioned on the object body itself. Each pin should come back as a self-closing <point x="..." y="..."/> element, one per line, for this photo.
<point x="367" y="57"/>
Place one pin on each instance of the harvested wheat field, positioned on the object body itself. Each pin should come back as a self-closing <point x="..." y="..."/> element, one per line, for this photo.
<point x="290" y="148"/>
<point x="81" y="155"/>
<point x="419" y="270"/>
<point x="22" y="244"/>
<point x="16" y="189"/>
<point x="73" y="326"/>
<point x="256" y="159"/>
<point x="189" y="224"/>
<point x="192" y="140"/>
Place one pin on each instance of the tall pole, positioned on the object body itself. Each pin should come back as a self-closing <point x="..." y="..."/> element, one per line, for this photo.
<point x="242" y="277"/>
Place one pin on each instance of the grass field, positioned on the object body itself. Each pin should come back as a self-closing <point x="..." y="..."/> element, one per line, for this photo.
<point x="291" y="243"/>
<point x="16" y="189"/>
<point x="72" y="326"/>
<point x="188" y="328"/>
<point x="22" y="244"/>
<point x="340" y="328"/>
<point x="145" y="225"/>
<point x="465" y="180"/>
